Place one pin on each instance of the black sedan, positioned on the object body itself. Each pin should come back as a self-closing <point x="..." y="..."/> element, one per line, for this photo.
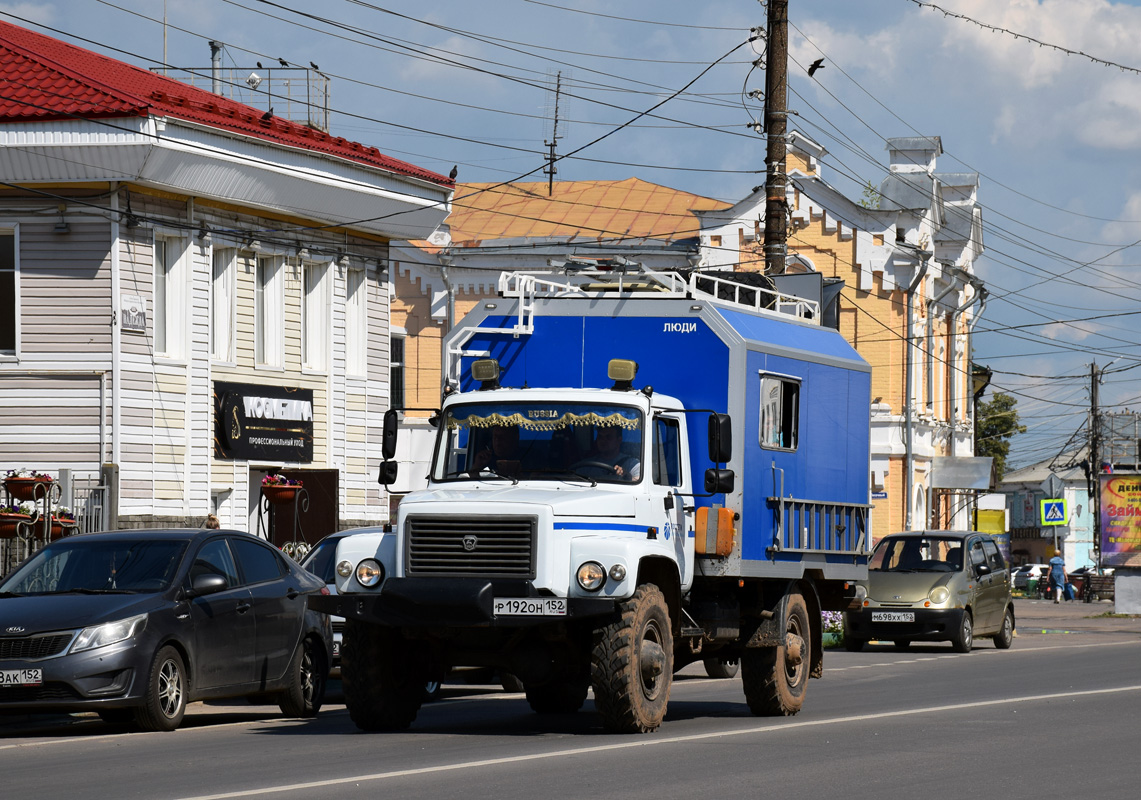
<point x="136" y="624"/>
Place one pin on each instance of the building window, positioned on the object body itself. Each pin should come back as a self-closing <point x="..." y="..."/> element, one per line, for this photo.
<point x="396" y="374"/>
<point x="315" y="317"/>
<point x="168" y="297"/>
<point x="356" y="322"/>
<point x="222" y="304"/>
<point x="9" y="292"/>
<point x="269" y="303"/>
<point x="780" y="412"/>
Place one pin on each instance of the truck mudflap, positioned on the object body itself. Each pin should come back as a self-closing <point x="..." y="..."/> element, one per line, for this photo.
<point x="458" y="603"/>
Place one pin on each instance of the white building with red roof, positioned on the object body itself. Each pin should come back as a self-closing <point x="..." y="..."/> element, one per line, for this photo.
<point x="193" y="294"/>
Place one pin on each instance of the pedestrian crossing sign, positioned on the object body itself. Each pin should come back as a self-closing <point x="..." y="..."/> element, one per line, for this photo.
<point x="1054" y="512"/>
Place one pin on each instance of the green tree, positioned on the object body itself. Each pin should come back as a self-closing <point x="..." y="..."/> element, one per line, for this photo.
<point x="996" y="421"/>
<point x="871" y="196"/>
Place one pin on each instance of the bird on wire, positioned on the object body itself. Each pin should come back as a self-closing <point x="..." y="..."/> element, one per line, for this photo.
<point x="283" y="62"/>
<point x="314" y="66"/>
<point x="815" y="65"/>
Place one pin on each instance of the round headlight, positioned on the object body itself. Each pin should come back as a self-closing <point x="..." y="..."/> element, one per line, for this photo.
<point x="591" y="576"/>
<point x="618" y="573"/>
<point x="939" y="595"/>
<point x="345" y="568"/>
<point x="370" y="572"/>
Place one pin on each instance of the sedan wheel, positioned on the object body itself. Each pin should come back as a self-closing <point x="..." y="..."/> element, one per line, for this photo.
<point x="165" y="701"/>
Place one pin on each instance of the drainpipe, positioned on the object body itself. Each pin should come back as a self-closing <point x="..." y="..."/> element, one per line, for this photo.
<point x="116" y="335"/>
<point x="909" y="381"/>
<point x="216" y="67"/>
<point x="955" y="316"/>
<point x="931" y="304"/>
<point x="971" y="332"/>
<point x="445" y="258"/>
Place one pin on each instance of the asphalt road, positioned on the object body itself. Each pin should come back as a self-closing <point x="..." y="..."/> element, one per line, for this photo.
<point x="1057" y="713"/>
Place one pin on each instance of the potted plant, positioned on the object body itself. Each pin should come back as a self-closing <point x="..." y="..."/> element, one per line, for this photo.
<point x="279" y="489"/>
<point x="21" y="483"/>
<point x="12" y="515"/>
<point x="62" y="518"/>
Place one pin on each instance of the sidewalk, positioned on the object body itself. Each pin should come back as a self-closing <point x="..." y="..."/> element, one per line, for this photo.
<point x="1044" y="616"/>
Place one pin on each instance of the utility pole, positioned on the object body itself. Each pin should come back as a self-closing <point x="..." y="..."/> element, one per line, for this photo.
<point x="551" y="169"/>
<point x="776" y="127"/>
<point x="1095" y="460"/>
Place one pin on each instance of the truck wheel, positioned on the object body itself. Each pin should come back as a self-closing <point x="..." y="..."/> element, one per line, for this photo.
<point x="557" y="697"/>
<point x="965" y="635"/>
<point x="721" y="667"/>
<point x="1005" y="635"/>
<point x="631" y="665"/>
<point x="382" y="690"/>
<point x="776" y="678"/>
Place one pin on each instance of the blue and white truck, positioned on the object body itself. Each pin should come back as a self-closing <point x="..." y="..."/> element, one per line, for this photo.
<point x="633" y="471"/>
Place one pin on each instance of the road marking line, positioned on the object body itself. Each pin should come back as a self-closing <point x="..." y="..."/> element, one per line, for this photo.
<point x="641" y="742"/>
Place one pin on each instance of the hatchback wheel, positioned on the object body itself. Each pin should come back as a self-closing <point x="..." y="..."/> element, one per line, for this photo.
<point x="965" y="635"/>
<point x="1005" y="635"/>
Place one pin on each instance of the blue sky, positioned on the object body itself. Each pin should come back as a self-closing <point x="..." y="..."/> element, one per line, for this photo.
<point x="1054" y="134"/>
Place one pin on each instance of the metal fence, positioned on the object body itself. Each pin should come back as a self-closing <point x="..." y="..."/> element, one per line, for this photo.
<point x="85" y="498"/>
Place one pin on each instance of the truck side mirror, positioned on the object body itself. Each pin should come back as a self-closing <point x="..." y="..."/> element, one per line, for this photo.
<point x="388" y="471"/>
<point x="719" y="481"/>
<point x="388" y="438"/>
<point x="720" y="438"/>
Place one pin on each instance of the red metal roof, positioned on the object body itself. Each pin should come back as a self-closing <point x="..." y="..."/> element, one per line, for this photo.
<point x="47" y="79"/>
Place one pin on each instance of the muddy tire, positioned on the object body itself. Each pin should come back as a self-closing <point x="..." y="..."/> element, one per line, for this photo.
<point x="383" y="690"/>
<point x="557" y="697"/>
<point x="510" y="683"/>
<point x="164" y="704"/>
<point x="306" y="690"/>
<point x="722" y="667"/>
<point x="1005" y="636"/>
<point x="965" y="636"/>
<point x="776" y="678"/>
<point x="631" y="665"/>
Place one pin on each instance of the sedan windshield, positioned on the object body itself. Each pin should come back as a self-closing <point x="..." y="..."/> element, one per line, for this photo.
<point x="86" y="566"/>
<point x="540" y="441"/>
<point x="917" y="554"/>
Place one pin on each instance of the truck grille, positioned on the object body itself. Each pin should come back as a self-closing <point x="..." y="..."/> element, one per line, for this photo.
<point x="486" y="547"/>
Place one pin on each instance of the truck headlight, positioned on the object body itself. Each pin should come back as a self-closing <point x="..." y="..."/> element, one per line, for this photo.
<point x="108" y="633"/>
<point x="370" y="572"/>
<point x="591" y="576"/>
<point x="345" y="568"/>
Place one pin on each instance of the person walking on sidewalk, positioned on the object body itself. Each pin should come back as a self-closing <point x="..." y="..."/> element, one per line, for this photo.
<point x="1058" y="575"/>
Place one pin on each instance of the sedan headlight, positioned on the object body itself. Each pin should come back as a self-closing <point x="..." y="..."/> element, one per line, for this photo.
<point x="591" y="576"/>
<point x="108" y="633"/>
<point x="370" y="572"/>
<point x="939" y="595"/>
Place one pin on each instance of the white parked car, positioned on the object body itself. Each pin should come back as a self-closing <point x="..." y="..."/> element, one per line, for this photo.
<point x="1027" y="571"/>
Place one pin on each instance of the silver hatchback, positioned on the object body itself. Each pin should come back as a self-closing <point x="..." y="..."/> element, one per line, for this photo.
<point x="934" y="586"/>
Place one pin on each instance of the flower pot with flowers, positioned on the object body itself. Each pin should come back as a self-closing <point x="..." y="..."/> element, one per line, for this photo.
<point x="22" y="483"/>
<point x="63" y="521"/>
<point x="12" y="516"/>
<point x="279" y="489"/>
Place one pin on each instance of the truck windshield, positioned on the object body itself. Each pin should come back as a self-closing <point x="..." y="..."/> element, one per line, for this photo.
<point x="541" y="441"/>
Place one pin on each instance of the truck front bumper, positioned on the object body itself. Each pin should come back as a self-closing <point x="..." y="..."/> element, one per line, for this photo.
<point x="450" y="602"/>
